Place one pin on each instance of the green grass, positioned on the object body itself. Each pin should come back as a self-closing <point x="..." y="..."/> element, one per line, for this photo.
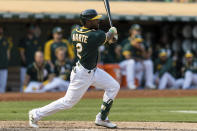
<point x="138" y="109"/>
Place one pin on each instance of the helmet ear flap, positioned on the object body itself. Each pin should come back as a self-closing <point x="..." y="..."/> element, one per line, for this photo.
<point x="83" y="20"/>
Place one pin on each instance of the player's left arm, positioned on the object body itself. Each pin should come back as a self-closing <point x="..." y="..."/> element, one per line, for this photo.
<point x="100" y="37"/>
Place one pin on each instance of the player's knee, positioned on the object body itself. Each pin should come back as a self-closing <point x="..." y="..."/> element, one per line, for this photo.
<point x="131" y="62"/>
<point x="166" y="74"/>
<point x="116" y="86"/>
<point x="68" y="104"/>
<point x="148" y="63"/>
<point x="188" y="73"/>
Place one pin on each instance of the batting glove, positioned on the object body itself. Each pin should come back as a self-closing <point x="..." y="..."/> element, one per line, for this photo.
<point x="113" y="30"/>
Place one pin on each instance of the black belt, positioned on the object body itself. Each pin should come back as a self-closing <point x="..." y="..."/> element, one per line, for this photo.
<point x="89" y="71"/>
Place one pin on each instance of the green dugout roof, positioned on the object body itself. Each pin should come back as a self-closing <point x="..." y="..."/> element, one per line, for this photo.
<point x="121" y="10"/>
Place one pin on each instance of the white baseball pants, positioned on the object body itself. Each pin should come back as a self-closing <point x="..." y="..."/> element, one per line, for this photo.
<point x="57" y="83"/>
<point x="34" y="87"/>
<point x="189" y="80"/>
<point x="81" y="79"/>
<point x="3" y="80"/>
<point x="179" y="83"/>
<point x="167" y="80"/>
<point x="133" y="69"/>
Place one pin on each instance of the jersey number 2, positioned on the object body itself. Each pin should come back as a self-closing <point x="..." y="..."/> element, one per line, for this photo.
<point x="79" y="49"/>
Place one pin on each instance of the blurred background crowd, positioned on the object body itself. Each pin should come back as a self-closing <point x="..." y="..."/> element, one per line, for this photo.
<point x="151" y="58"/>
<point x="37" y="54"/>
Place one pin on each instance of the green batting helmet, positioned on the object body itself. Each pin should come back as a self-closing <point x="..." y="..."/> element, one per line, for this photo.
<point x="89" y="14"/>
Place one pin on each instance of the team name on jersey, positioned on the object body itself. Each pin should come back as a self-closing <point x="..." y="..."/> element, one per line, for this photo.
<point x="80" y="38"/>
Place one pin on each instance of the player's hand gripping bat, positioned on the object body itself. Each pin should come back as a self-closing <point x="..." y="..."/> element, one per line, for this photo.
<point x="107" y="7"/>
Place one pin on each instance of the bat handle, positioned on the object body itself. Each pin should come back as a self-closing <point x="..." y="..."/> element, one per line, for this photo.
<point x="111" y="24"/>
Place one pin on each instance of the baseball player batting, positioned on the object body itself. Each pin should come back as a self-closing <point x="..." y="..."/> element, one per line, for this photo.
<point x="86" y="40"/>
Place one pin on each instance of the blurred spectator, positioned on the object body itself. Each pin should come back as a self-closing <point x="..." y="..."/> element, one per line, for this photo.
<point x="38" y="33"/>
<point x="118" y="57"/>
<point x="133" y="31"/>
<point x="111" y="55"/>
<point x="189" y="70"/>
<point x="5" y="47"/>
<point x="55" y="43"/>
<point x="38" y="75"/>
<point x="62" y="72"/>
<point x="27" y="47"/>
<point x="164" y="71"/>
<point x="137" y="62"/>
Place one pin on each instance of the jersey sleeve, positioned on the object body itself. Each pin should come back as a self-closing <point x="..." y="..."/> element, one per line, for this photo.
<point x="126" y="50"/>
<point x="166" y="67"/>
<point x="100" y="37"/>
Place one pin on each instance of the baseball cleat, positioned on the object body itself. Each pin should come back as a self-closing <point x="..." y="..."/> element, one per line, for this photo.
<point x="32" y="121"/>
<point x="132" y="87"/>
<point x="151" y="87"/>
<point x="104" y="123"/>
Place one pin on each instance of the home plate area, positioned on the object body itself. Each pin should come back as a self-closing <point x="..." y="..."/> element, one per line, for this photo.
<point x="89" y="126"/>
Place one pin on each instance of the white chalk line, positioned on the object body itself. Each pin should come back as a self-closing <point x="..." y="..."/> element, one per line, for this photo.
<point x="185" y="111"/>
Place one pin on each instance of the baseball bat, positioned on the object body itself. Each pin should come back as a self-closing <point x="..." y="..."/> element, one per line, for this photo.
<point x="107" y="7"/>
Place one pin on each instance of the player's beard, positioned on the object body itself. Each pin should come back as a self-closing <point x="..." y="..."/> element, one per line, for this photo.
<point x="95" y="25"/>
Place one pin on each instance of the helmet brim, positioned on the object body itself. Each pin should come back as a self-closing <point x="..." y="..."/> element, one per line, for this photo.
<point x="96" y="17"/>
